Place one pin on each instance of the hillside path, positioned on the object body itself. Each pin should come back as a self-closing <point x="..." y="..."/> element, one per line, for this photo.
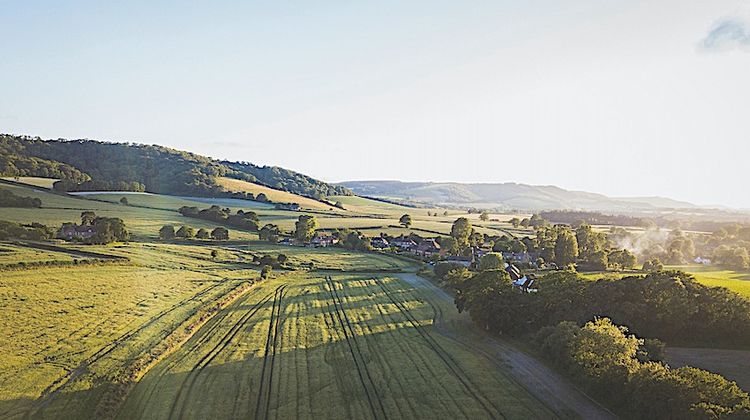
<point x="559" y="394"/>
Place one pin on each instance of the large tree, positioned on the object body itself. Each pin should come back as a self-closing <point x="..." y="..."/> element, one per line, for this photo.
<point x="461" y="231"/>
<point x="566" y="248"/>
<point x="304" y="228"/>
<point x="405" y="220"/>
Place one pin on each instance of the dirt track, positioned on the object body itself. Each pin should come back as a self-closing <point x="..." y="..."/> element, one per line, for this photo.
<point x="553" y="390"/>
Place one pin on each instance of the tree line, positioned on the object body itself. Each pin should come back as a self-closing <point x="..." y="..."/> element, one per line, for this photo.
<point x="9" y="199"/>
<point x="86" y="165"/>
<point x="247" y="220"/>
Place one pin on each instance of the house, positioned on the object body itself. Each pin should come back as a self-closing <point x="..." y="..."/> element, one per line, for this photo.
<point x="404" y="244"/>
<point x="464" y="261"/>
<point x="524" y="283"/>
<point x="427" y="248"/>
<point x="379" y="242"/>
<point x="287" y="242"/>
<point x="287" y="206"/>
<point x="322" y="241"/>
<point x="71" y="231"/>
<point x="704" y="261"/>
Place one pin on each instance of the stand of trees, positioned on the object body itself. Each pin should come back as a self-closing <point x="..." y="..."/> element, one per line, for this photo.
<point x="304" y="228"/>
<point x="669" y="305"/>
<point x="8" y="199"/>
<point x="626" y="372"/>
<point x="32" y="232"/>
<point x="242" y="219"/>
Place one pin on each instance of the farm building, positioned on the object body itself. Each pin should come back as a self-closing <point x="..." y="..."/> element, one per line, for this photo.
<point x="71" y="231"/>
<point x="427" y="248"/>
<point x="404" y="244"/>
<point x="322" y="241"/>
<point x="379" y="242"/>
<point x="288" y="206"/>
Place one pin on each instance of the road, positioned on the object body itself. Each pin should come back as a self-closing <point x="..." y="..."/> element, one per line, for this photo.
<point x="559" y="394"/>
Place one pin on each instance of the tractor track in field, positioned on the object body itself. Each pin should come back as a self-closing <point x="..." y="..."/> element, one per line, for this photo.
<point x="269" y="356"/>
<point x="207" y="358"/>
<point x="49" y="393"/>
<point x="451" y="364"/>
<point x="354" y="349"/>
<point x="206" y="335"/>
<point x="560" y="395"/>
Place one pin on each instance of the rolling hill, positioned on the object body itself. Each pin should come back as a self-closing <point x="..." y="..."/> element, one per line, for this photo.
<point x="88" y="165"/>
<point x="504" y="196"/>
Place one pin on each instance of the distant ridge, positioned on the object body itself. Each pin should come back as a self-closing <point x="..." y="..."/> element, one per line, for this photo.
<point x="506" y="196"/>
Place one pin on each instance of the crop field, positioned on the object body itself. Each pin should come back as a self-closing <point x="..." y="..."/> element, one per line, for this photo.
<point x="304" y="345"/>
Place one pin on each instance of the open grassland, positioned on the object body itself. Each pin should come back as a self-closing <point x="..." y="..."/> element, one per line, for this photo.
<point x="143" y="223"/>
<point x="737" y="281"/>
<point x="277" y="196"/>
<point x="33" y="181"/>
<point x="327" y="258"/>
<point x="11" y="254"/>
<point x="306" y="346"/>
<point x="67" y="333"/>
<point x="169" y="202"/>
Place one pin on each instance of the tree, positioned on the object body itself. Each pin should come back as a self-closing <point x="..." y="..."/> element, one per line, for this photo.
<point x="515" y="222"/>
<point x="566" y="248"/>
<point x="491" y="261"/>
<point x="282" y="259"/>
<point x="305" y="227"/>
<point x="653" y="264"/>
<point x="87" y="217"/>
<point x="214" y="253"/>
<point x="405" y="220"/>
<point x="623" y="259"/>
<point x="166" y="232"/>
<point x="220" y="234"/>
<point x="108" y="230"/>
<point x="270" y="233"/>
<point x="185" y="232"/>
<point x="202" y="234"/>
<point x="124" y="201"/>
<point x="262" y="198"/>
<point x="460" y="231"/>
<point x="265" y="271"/>
<point x="484" y="216"/>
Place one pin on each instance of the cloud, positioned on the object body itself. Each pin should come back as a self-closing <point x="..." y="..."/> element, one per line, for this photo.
<point x="727" y="34"/>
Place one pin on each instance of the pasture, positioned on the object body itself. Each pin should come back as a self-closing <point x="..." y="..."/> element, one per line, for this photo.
<point x="736" y="281"/>
<point x="276" y="196"/>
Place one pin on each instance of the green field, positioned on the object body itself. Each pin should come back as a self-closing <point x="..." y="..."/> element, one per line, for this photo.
<point x="302" y="346"/>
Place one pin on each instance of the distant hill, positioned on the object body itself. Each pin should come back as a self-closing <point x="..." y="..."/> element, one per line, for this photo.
<point x="504" y="196"/>
<point x="88" y="165"/>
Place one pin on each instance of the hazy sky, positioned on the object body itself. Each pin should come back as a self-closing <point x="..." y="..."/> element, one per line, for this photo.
<point x="620" y="97"/>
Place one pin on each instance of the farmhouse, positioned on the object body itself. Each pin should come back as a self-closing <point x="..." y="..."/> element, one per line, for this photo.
<point x="287" y="206"/>
<point x="404" y="244"/>
<point x="322" y="241"/>
<point x="427" y="248"/>
<point x="464" y="261"/>
<point x="71" y="231"/>
<point x="379" y="242"/>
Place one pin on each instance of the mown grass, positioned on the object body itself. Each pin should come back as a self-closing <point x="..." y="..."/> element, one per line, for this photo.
<point x="34" y="181"/>
<point x="354" y="347"/>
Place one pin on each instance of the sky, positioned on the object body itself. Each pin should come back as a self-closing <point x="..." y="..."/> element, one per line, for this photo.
<point x="621" y="97"/>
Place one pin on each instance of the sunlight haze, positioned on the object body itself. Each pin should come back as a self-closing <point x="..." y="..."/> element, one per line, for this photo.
<point x="624" y="98"/>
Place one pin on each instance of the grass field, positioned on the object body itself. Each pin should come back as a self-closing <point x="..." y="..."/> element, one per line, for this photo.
<point x="143" y="223"/>
<point x="303" y="346"/>
<point x="67" y="330"/>
<point x="736" y="281"/>
<point x="274" y="195"/>
<point x="34" y="181"/>
<point x="732" y="364"/>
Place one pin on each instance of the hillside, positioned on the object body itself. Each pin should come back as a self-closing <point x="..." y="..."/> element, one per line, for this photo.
<point x="276" y="196"/>
<point x="504" y="196"/>
<point x="88" y="165"/>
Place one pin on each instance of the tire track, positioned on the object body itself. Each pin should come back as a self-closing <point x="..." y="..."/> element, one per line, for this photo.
<point x="457" y="371"/>
<point x="49" y="393"/>
<point x="206" y="334"/>
<point x="207" y="358"/>
<point x="356" y="352"/>
<point x="261" y="406"/>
